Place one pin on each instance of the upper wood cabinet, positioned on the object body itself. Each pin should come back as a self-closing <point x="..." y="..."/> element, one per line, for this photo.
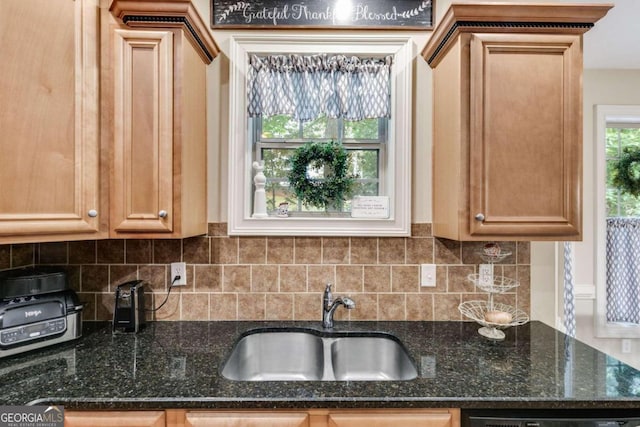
<point x="49" y="120"/>
<point x="507" y="139"/>
<point x="155" y="96"/>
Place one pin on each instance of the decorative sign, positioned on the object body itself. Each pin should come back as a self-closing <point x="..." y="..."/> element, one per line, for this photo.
<point x="390" y="14"/>
<point x="370" y="207"/>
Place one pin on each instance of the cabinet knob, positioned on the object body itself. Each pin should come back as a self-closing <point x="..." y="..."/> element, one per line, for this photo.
<point x="479" y="217"/>
<point x="162" y="214"/>
<point x="93" y="213"/>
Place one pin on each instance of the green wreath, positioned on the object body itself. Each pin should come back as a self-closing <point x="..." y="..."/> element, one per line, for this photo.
<point x="627" y="171"/>
<point x="330" y="190"/>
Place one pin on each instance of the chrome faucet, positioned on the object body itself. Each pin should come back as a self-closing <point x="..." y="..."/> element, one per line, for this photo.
<point x="329" y="306"/>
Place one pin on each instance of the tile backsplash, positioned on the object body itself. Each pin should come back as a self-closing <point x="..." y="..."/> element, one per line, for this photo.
<point x="280" y="278"/>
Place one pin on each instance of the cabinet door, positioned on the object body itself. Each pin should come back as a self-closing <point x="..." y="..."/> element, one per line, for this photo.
<point x="114" y="419"/>
<point x="142" y="171"/>
<point x="525" y="135"/>
<point x="391" y="419"/>
<point x="49" y="167"/>
<point x="246" y="419"/>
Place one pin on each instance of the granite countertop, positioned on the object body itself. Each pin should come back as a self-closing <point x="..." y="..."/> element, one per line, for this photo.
<point x="177" y="365"/>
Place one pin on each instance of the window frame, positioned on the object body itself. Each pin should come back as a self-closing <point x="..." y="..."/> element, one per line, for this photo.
<point x="605" y="114"/>
<point x="398" y="152"/>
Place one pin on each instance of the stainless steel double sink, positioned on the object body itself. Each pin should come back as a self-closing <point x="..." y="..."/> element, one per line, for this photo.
<point x="309" y="355"/>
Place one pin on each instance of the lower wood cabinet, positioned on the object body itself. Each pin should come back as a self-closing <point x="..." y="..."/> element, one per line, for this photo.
<point x="267" y="418"/>
<point x="317" y="418"/>
<point x="115" y="419"/>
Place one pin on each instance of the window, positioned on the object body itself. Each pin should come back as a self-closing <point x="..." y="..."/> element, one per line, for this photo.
<point x="380" y="148"/>
<point x="617" y="226"/>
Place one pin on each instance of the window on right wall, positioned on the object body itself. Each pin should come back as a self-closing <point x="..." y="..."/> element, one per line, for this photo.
<point x="618" y="221"/>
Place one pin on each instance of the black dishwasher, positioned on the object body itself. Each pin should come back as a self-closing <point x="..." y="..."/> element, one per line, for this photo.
<point x="552" y="418"/>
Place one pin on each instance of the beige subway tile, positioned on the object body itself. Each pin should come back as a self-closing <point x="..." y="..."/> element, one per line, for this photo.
<point x="111" y="251"/>
<point x="308" y="306"/>
<point x="138" y="251"/>
<point x="264" y="278"/>
<point x="166" y="251"/>
<point x="208" y="278"/>
<point x="89" y="305"/>
<point x="307" y="250"/>
<point x="105" y="303"/>
<point x="335" y="250"/>
<point x="155" y="275"/>
<point x="446" y="251"/>
<point x="121" y="273"/>
<point x="377" y="278"/>
<point x="236" y="278"/>
<point x="366" y="307"/>
<point x="319" y="276"/>
<point x="224" y="250"/>
<point x="94" y="278"/>
<point x="253" y="250"/>
<point x="293" y="278"/>
<point x="391" y="250"/>
<point x="5" y="256"/>
<point x="279" y="306"/>
<point x="445" y="307"/>
<point x="195" y="306"/>
<point x="506" y="298"/>
<point x="524" y="290"/>
<point x="457" y="280"/>
<point x="223" y="307"/>
<point x="524" y="252"/>
<point x="170" y="310"/>
<point x="349" y="278"/>
<point x="51" y="253"/>
<point x="196" y="250"/>
<point x="251" y="306"/>
<point x="73" y="276"/>
<point x="421" y="230"/>
<point x="364" y="250"/>
<point x="217" y="229"/>
<point x="391" y="307"/>
<point x="420" y="250"/>
<point x="419" y="307"/>
<point x="405" y="278"/>
<point x="279" y="250"/>
<point x="23" y="254"/>
<point x="83" y="252"/>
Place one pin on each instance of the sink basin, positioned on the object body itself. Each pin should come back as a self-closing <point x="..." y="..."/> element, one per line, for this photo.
<point x="305" y="355"/>
<point x="376" y="358"/>
<point x="276" y="356"/>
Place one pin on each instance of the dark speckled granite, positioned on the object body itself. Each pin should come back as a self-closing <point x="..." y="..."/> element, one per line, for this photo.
<point x="535" y="367"/>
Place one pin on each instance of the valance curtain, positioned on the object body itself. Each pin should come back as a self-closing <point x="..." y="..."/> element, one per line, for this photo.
<point x="623" y="270"/>
<point x="307" y="87"/>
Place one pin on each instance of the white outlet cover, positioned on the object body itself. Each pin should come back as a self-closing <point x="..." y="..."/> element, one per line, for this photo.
<point x="428" y="275"/>
<point x="178" y="269"/>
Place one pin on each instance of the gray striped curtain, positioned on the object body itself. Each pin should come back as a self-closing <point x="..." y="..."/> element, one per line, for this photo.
<point x="623" y="270"/>
<point x="307" y="87"/>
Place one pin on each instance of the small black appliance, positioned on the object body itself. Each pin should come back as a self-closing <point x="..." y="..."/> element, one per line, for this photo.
<point x="128" y="313"/>
<point x="37" y="309"/>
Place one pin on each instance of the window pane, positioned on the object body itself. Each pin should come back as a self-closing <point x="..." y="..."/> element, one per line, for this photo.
<point x="612" y="145"/>
<point x="363" y="129"/>
<point x="365" y="163"/>
<point x="321" y="128"/>
<point x="276" y="162"/>
<point x="279" y="127"/>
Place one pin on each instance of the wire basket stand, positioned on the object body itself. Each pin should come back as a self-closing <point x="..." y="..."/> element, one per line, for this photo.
<point x="480" y="311"/>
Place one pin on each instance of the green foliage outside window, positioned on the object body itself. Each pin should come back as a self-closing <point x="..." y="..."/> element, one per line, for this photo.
<point x="619" y="203"/>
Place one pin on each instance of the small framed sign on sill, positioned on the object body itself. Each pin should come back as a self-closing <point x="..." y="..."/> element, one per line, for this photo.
<point x="373" y="14"/>
<point x="370" y="207"/>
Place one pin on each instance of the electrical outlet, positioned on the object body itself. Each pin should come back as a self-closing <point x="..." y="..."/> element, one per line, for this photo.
<point x="179" y="269"/>
<point x="485" y="274"/>
<point x="428" y="275"/>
